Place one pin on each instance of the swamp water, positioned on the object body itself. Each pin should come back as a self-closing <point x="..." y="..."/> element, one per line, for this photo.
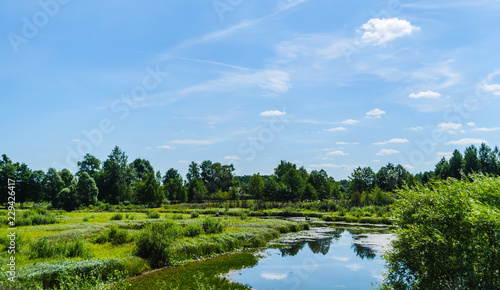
<point x="320" y="258"/>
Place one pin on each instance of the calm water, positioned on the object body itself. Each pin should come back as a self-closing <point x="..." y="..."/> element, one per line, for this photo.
<point x="321" y="258"/>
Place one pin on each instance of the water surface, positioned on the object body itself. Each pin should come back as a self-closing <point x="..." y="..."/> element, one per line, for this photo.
<point x="320" y="258"/>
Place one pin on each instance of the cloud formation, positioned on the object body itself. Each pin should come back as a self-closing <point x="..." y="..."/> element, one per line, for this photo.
<point x="273" y="113"/>
<point x="425" y="95"/>
<point x="387" y="152"/>
<point x="375" y="113"/>
<point x="379" y="31"/>
<point x="467" y="141"/>
<point x="394" y="140"/>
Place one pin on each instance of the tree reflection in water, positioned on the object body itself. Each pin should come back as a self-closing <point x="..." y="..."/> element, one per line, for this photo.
<point x="316" y="245"/>
<point x="363" y="252"/>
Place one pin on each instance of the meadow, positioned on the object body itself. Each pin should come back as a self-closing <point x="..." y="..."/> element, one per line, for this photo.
<point x="99" y="249"/>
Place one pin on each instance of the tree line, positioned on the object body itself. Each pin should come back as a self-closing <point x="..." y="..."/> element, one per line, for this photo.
<point x="116" y="181"/>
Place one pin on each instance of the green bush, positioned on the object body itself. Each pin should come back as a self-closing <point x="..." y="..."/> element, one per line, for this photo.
<point x="243" y="215"/>
<point x="448" y="236"/>
<point x="114" y="236"/>
<point x="195" y="214"/>
<point x="117" y="217"/>
<point x="153" y="243"/>
<point x="212" y="225"/>
<point x="153" y="214"/>
<point x="193" y="230"/>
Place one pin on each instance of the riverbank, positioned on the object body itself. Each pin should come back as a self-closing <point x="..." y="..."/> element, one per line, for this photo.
<point x="85" y="249"/>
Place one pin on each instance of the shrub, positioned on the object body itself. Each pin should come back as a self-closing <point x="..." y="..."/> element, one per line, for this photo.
<point x="195" y="214"/>
<point x="153" y="243"/>
<point x="448" y="236"/>
<point x="212" y="225"/>
<point x="117" y="217"/>
<point x="243" y="215"/>
<point x="114" y="236"/>
<point x="193" y="230"/>
<point x="153" y="214"/>
<point x="177" y="217"/>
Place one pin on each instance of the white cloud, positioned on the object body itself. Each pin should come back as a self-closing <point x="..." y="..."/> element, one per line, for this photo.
<point x="426" y="95"/>
<point x="272" y="81"/>
<point x="408" y="166"/>
<point x="486" y="129"/>
<point x="493" y="88"/>
<point x="342" y="259"/>
<point x="375" y="113"/>
<point x="196" y="141"/>
<point x="165" y="147"/>
<point x="376" y="161"/>
<point x="449" y="127"/>
<point x="75" y="140"/>
<point x="346" y="143"/>
<point x="394" y="140"/>
<point x="467" y="141"/>
<point x="387" y="152"/>
<point x="234" y="157"/>
<point x="416" y="128"/>
<point x="379" y="31"/>
<point x="337" y="153"/>
<point x="350" y="122"/>
<point x="183" y="161"/>
<point x="272" y="113"/>
<point x="274" y="276"/>
<point x="471" y="124"/>
<point x="336" y="129"/>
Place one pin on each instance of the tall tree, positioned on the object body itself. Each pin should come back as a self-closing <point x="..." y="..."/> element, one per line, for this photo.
<point x="66" y="177"/>
<point x="117" y="177"/>
<point x="193" y="172"/>
<point x="53" y="185"/>
<point x="86" y="189"/>
<point x="321" y="183"/>
<point x="142" y="169"/>
<point x="23" y="174"/>
<point x="471" y="162"/>
<point x="456" y="164"/>
<point x="149" y="191"/>
<point x="295" y="183"/>
<point x="36" y="186"/>
<point x="362" y="179"/>
<point x="283" y="168"/>
<point x="442" y="170"/>
<point x="196" y="191"/>
<point x="174" y="186"/>
<point x="256" y="186"/>
<point x="89" y="164"/>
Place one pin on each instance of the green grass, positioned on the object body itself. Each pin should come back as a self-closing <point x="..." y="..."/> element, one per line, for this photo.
<point x="197" y="275"/>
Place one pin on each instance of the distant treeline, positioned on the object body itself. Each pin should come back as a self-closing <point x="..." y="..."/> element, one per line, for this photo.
<point x="116" y="181"/>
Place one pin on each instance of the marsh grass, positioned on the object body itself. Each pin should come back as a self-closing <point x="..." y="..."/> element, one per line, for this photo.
<point x="197" y="275"/>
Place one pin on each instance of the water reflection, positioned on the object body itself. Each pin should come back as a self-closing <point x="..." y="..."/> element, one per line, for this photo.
<point x="332" y="258"/>
<point x="363" y="252"/>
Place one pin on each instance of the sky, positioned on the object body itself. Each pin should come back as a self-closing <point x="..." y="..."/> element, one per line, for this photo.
<point x="325" y="84"/>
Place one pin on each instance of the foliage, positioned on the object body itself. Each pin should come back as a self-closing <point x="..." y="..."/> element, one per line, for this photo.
<point x="153" y="244"/>
<point x="195" y="214"/>
<point x="117" y="217"/>
<point x="44" y="249"/>
<point x="153" y="214"/>
<point x="113" y="235"/>
<point x="448" y="236"/>
<point x="212" y="225"/>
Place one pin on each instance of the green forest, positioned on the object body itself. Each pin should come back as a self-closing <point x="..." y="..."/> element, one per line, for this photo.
<point x="116" y="181"/>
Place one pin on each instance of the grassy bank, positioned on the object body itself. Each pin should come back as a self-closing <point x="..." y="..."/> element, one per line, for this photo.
<point x="85" y="249"/>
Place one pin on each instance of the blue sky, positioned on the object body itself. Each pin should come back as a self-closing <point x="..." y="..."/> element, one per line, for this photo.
<point x="325" y="84"/>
